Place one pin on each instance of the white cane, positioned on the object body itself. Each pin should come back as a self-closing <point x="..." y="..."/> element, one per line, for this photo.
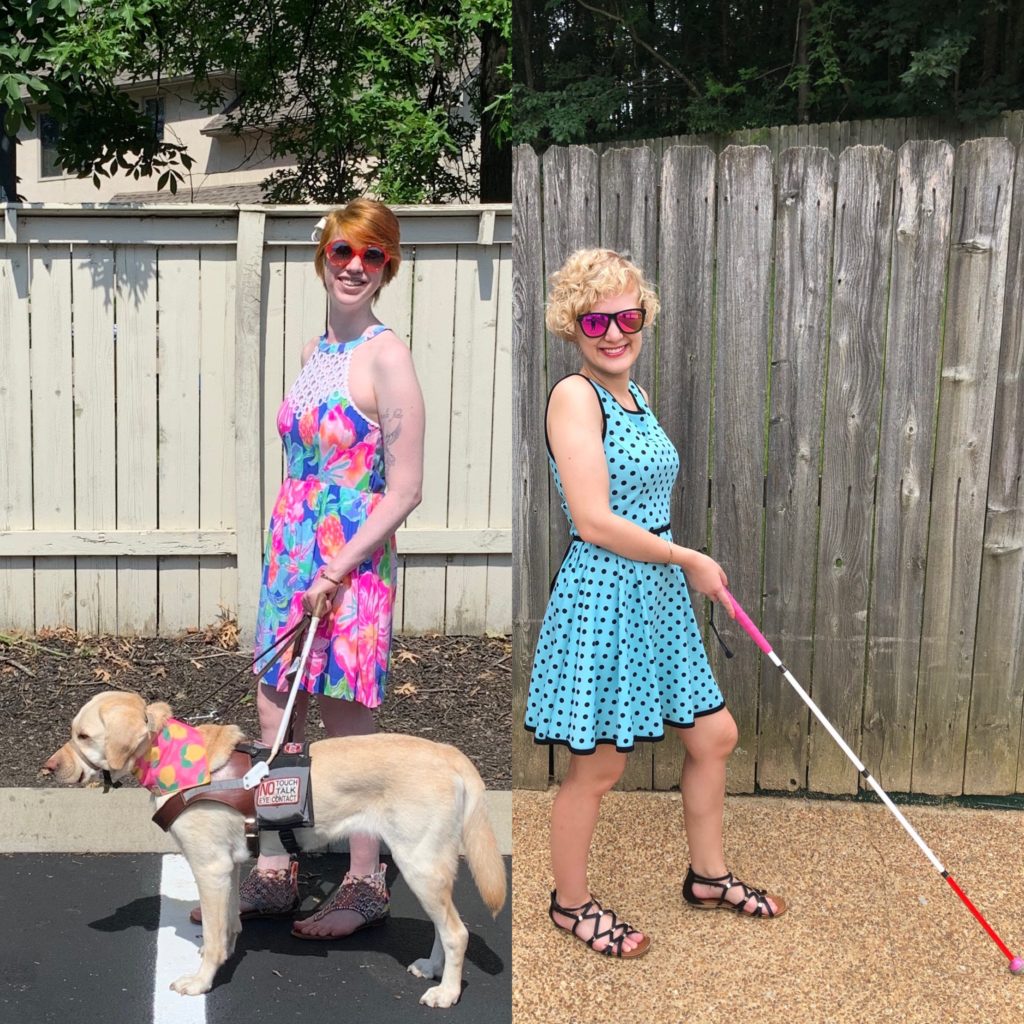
<point x="261" y="769"/>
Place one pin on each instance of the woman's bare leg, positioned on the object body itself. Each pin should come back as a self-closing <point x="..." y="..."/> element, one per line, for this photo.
<point x="708" y="743"/>
<point x="573" y="819"/>
<point x="347" y="718"/>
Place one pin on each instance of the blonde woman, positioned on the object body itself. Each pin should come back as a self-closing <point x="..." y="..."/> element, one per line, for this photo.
<point x="619" y="655"/>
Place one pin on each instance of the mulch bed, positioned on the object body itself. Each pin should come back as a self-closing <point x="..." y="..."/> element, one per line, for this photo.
<point x="453" y="689"/>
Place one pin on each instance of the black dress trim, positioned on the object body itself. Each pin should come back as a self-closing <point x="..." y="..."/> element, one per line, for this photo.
<point x="621" y="750"/>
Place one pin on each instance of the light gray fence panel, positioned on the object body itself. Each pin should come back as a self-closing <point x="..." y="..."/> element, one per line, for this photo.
<point x="17" y="601"/>
<point x="95" y="432"/>
<point x="744" y="253"/>
<point x="924" y="183"/>
<point x="803" y="251"/>
<point x="686" y="287"/>
<point x="860" y="278"/>
<point x="997" y="694"/>
<point x="530" y="521"/>
<point x="52" y="427"/>
<point x="970" y="357"/>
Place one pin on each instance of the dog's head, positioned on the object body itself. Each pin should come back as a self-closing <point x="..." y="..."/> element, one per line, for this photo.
<point x="110" y="733"/>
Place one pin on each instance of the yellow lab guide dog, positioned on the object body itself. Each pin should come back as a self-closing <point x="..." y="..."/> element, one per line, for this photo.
<point x="424" y="799"/>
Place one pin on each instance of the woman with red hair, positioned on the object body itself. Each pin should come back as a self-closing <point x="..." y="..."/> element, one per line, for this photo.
<point x="352" y="429"/>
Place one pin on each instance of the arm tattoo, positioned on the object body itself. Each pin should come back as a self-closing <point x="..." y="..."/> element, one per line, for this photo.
<point x="390" y="428"/>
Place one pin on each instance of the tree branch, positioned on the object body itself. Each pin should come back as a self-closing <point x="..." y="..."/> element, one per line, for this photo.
<point x="634" y="35"/>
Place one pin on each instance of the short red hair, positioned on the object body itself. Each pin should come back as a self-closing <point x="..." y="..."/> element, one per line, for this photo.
<point x="362" y="222"/>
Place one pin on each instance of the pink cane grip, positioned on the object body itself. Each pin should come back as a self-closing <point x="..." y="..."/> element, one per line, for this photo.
<point x="744" y="620"/>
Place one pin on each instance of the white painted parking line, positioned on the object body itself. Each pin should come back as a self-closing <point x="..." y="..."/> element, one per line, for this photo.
<point x="176" y="952"/>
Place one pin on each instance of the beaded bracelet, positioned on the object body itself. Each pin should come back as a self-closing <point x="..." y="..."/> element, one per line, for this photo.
<point x="330" y="579"/>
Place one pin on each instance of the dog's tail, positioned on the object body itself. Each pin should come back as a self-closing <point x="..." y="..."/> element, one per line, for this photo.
<point x="482" y="854"/>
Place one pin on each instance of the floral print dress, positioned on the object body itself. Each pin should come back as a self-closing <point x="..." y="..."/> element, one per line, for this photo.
<point x="334" y="479"/>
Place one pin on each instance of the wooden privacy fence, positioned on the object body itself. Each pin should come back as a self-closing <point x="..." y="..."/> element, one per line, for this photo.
<point x="835" y="136"/>
<point x="143" y="356"/>
<point x="838" y="359"/>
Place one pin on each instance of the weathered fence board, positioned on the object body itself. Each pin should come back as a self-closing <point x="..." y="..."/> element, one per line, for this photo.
<point x="178" y="432"/>
<point x="686" y="256"/>
<point x="435" y="271"/>
<point x="744" y="255"/>
<point x="970" y="356"/>
<point x="864" y="212"/>
<point x="923" y="195"/>
<point x="472" y="389"/>
<point x="530" y="525"/>
<point x="997" y="692"/>
<point x="136" y="303"/>
<point x="803" y="249"/>
<point x="52" y="427"/>
<point x="629" y="224"/>
<point x="92" y="285"/>
<point x="218" y="574"/>
<point x="499" y="567"/>
<point x="17" y="602"/>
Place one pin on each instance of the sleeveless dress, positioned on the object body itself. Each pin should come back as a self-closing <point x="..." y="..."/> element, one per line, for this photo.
<point x="334" y="479"/>
<point x="619" y="653"/>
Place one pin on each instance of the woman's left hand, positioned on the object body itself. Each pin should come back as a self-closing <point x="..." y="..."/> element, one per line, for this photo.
<point x="707" y="577"/>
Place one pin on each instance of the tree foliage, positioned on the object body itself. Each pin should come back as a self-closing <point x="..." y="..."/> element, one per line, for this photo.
<point x="64" y="56"/>
<point x="604" y="69"/>
<point x="384" y="95"/>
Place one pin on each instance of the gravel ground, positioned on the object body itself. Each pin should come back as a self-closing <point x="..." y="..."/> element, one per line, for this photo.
<point x="873" y="934"/>
<point x="447" y="688"/>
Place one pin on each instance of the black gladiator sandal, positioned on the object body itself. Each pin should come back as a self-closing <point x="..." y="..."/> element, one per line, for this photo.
<point x="760" y="908"/>
<point x="615" y="932"/>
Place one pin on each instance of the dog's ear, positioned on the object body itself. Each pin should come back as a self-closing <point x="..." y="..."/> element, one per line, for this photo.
<point x="126" y="732"/>
<point x="157" y="715"/>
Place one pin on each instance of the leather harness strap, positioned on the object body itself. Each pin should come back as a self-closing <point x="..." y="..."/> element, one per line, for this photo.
<point x="237" y="797"/>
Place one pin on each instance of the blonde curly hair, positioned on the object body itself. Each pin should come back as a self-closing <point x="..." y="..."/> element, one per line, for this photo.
<point x="587" y="276"/>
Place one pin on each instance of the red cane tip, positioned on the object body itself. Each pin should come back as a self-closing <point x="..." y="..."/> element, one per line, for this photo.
<point x="1016" y="965"/>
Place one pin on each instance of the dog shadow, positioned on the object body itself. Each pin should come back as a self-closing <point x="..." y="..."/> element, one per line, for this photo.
<point x="403" y="939"/>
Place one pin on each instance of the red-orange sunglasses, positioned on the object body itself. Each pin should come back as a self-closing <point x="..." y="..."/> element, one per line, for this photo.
<point x="341" y="253"/>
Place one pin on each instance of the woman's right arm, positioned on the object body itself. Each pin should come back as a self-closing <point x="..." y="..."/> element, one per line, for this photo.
<point x="574" y="424"/>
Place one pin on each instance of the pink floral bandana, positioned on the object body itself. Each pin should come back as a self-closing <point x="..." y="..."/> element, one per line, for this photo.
<point x="176" y="760"/>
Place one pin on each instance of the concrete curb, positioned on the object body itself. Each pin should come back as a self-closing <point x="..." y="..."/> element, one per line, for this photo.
<point x="90" y="821"/>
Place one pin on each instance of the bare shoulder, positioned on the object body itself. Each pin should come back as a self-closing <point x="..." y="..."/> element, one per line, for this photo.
<point x="308" y="349"/>
<point x="643" y="391"/>
<point x="574" y="396"/>
<point x="390" y="352"/>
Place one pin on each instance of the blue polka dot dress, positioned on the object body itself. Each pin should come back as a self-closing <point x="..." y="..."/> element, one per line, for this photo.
<point x="619" y="653"/>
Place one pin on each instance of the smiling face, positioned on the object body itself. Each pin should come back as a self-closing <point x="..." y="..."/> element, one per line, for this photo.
<point x="613" y="354"/>
<point x="355" y="282"/>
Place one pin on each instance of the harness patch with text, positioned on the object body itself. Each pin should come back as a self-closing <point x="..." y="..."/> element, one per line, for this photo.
<point x="284" y="798"/>
<point x="276" y="792"/>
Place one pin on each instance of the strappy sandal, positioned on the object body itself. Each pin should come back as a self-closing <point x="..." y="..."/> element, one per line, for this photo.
<point x="368" y="896"/>
<point x="615" y="933"/>
<point x="760" y="908"/>
<point x="270" y="893"/>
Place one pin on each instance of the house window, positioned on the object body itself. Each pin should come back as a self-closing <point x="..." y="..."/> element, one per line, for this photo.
<point x="49" y="137"/>
<point x="155" y="115"/>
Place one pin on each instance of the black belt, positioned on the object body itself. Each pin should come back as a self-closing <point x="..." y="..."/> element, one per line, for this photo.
<point x="576" y="538"/>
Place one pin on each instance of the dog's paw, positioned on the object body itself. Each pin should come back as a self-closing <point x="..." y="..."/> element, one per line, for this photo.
<point x="439" y="996"/>
<point x="424" y="968"/>
<point x="190" y="985"/>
